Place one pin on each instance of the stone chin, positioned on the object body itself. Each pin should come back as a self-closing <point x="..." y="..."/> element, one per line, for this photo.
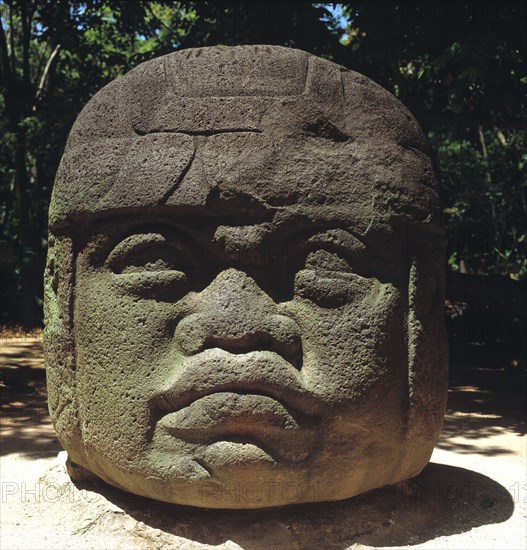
<point x="242" y="475"/>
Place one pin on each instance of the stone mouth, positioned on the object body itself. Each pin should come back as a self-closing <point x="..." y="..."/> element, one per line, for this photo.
<point x="282" y="432"/>
<point x="250" y="379"/>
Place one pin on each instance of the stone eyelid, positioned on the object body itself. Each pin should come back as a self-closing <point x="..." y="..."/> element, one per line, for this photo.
<point x="137" y="243"/>
<point x="338" y="241"/>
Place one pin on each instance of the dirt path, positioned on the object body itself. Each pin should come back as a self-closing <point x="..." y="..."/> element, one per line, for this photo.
<point x="472" y="495"/>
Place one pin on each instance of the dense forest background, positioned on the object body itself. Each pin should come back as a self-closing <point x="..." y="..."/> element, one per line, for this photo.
<point x="459" y="67"/>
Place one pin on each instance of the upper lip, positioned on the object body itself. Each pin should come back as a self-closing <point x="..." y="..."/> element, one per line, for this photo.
<point x="257" y="372"/>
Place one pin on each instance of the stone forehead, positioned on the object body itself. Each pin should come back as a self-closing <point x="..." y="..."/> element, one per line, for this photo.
<point x="184" y="125"/>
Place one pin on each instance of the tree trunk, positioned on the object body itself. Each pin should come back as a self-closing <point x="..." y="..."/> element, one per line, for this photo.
<point x="25" y="235"/>
<point x="17" y="93"/>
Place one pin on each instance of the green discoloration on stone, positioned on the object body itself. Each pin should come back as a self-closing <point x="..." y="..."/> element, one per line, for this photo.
<point x="244" y="285"/>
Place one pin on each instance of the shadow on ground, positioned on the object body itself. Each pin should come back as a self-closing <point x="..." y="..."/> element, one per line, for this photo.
<point x="474" y="415"/>
<point x="441" y="501"/>
<point x="24" y="418"/>
<point x="22" y="363"/>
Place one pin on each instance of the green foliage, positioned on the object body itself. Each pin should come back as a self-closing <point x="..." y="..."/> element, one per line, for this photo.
<point x="459" y="67"/>
<point x="484" y="199"/>
<point x="445" y="57"/>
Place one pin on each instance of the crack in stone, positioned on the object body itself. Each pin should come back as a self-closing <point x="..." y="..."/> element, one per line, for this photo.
<point x="201" y="132"/>
<point x="178" y="182"/>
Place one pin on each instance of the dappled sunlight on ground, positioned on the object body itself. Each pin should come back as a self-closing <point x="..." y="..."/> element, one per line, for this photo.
<point x="479" y="421"/>
<point x="24" y="419"/>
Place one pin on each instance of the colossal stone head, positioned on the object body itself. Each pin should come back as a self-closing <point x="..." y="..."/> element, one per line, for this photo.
<point x="244" y="290"/>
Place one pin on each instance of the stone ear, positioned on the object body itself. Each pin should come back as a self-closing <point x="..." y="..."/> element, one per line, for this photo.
<point x="59" y="339"/>
<point x="427" y="348"/>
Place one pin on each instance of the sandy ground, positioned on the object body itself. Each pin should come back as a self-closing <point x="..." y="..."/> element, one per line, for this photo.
<point x="472" y="495"/>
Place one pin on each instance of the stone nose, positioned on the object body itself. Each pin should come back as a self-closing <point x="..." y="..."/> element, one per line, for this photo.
<point x="233" y="313"/>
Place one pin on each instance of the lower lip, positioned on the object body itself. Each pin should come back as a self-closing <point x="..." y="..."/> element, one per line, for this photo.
<point x="232" y="413"/>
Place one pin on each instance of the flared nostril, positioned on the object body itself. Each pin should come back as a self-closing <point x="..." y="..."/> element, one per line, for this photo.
<point x="275" y="333"/>
<point x="242" y="343"/>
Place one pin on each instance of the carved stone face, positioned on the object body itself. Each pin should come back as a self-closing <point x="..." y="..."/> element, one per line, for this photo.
<point x="243" y="300"/>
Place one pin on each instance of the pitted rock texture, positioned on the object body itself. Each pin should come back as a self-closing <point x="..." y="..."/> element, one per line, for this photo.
<point x="244" y="290"/>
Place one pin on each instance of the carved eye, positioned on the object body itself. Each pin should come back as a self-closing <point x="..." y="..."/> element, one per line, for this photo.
<point x="327" y="279"/>
<point x="151" y="265"/>
<point x="151" y="258"/>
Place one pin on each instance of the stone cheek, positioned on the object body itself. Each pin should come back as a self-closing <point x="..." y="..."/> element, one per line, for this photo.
<point x="249" y="310"/>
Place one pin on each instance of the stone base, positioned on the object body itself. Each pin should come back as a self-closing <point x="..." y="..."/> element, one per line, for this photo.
<point x="81" y="513"/>
<point x="79" y="473"/>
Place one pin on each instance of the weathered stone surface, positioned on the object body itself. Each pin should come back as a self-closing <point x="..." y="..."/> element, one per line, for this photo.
<point x="244" y="292"/>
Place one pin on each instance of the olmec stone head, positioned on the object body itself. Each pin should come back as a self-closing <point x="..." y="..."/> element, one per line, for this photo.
<point x="244" y="291"/>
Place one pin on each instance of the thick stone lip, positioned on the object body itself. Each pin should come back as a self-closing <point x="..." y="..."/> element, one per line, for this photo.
<point x="263" y="373"/>
<point x="243" y="418"/>
<point x="232" y="414"/>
